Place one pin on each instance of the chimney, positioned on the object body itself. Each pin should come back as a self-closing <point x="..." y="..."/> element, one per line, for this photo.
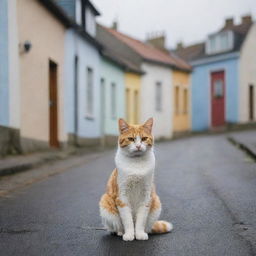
<point x="229" y="22"/>
<point x="115" y="25"/>
<point x="179" y="45"/>
<point x="247" y="19"/>
<point x="157" y="40"/>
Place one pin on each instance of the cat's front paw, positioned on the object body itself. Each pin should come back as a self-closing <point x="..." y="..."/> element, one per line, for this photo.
<point x="128" y="236"/>
<point x="141" y="235"/>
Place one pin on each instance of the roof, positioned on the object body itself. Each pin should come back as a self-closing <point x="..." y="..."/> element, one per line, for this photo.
<point x="57" y="12"/>
<point x="92" y="7"/>
<point x="112" y="51"/>
<point x="63" y="17"/>
<point x="150" y="53"/>
<point x="197" y="51"/>
<point x="191" y="52"/>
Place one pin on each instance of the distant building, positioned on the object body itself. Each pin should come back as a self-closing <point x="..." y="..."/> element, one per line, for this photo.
<point x="155" y="93"/>
<point x="181" y="89"/>
<point x="119" y="79"/>
<point x="224" y="76"/>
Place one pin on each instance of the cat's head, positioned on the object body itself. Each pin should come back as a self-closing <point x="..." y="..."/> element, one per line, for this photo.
<point x="135" y="140"/>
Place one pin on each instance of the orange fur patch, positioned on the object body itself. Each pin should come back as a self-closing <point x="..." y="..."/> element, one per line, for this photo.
<point x="155" y="202"/>
<point x="110" y="200"/>
<point x="160" y="227"/>
<point x="132" y="132"/>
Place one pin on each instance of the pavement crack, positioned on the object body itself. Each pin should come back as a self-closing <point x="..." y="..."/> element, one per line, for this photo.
<point x="16" y="231"/>
<point x="92" y="228"/>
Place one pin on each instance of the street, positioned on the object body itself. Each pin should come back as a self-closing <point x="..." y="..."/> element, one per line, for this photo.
<point x="208" y="191"/>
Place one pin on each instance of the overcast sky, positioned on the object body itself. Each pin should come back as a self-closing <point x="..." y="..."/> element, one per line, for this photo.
<point x="186" y="20"/>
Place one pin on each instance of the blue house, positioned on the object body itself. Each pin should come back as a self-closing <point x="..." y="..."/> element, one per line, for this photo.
<point x="223" y="90"/>
<point x="82" y="74"/>
<point x="94" y="79"/>
<point x="9" y="79"/>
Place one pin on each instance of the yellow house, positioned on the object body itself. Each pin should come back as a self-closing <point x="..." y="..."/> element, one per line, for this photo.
<point x="182" y="113"/>
<point x="132" y="96"/>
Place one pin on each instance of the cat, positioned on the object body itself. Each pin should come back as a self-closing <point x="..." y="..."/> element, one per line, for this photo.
<point x="130" y="207"/>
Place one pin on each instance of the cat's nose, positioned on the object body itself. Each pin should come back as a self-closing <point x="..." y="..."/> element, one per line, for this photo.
<point x="138" y="147"/>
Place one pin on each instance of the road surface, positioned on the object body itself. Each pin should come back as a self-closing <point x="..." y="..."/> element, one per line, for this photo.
<point x="207" y="188"/>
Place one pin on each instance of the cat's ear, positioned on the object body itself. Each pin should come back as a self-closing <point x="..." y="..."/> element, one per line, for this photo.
<point x="123" y="126"/>
<point x="148" y="125"/>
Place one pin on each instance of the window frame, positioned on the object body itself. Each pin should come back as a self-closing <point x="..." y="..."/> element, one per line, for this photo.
<point x="89" y="109"/>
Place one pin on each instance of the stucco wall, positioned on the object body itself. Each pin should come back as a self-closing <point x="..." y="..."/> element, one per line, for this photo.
<point x="14" y="69"/>
<point x="162" y="119"/>
<point x="111" y="73"/>
<point x="181" y="119"/>
<point x="201" y="94"/>
<point x="4" y="64"/>
<point x="88" y="57"/>
<point x="46" y="34"/>
<point x="133" y="84"/>
<point x="247" y="74"/>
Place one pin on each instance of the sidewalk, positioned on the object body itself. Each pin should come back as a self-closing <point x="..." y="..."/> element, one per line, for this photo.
<point x="246" y="140"/>
<point x="19" y="163"/>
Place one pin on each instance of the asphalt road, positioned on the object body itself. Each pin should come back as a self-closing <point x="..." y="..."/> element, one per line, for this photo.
<point x="208" y="191"/>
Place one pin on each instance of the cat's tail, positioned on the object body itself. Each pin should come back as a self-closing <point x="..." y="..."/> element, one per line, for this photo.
<point x="162" y="226"/>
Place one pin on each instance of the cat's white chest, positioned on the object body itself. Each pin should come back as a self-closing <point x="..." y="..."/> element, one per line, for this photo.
<point x="135" y="176"/>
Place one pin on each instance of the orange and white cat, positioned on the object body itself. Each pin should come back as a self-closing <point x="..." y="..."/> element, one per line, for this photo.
<point x="130" y="207"/>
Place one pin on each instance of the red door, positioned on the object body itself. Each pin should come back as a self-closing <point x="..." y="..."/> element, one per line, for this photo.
<point x="218" y="98"/>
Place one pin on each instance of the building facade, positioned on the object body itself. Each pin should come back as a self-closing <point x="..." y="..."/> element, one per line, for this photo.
<point x="9" y="79"/>
<point x="82" y="74"/>
<point x="223" y="80"/>
<point x="41" y="61"/>
<point x="112" y="99"/>
<point x="155" y="94"/>
<point x="132" y="97"/>
<point x="181" y="98"/>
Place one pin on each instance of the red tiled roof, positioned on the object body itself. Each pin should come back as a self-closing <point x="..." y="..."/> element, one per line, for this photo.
<point x="149" y="52"/>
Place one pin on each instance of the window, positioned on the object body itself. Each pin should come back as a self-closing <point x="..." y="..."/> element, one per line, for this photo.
<point x="113" y="100"/>
<point x="127" y="99"/>
<point x="78" y="12"/>
<point x="136" y="106"/>
<point x="218" y="88"/>
<point x="224" y="42"/>
<point x="177" y="99"/>
<point x="90" y="23"/>
<point x="185" y="101"/>
<point x="158" y="94"/>
<point x="220" y="42"/>
<point x="89" y="93"/>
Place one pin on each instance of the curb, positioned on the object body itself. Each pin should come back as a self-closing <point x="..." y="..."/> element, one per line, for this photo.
<point x="243" y="147"/>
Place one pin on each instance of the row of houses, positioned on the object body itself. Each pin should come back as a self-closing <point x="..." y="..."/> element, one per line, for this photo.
<point x="64" y="79"/>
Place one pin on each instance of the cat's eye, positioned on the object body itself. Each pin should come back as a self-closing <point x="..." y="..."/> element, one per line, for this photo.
<point x="130" y="138"/>
<point x="144" y="138"/>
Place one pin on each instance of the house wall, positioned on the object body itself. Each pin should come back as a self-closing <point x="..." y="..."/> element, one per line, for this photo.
<point x="181" y="117"/>
<point x="201" y="94"/>
<point x="14" y="69"/>
<point x="247" y="74"/>
<point x="46" y="33"/>
<point x="133" y="84"/>
<point x="88" y="56"/>
<point x="4" y="64"/>
<point x="112" y="73"/>
<point x="163" y="127"/>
